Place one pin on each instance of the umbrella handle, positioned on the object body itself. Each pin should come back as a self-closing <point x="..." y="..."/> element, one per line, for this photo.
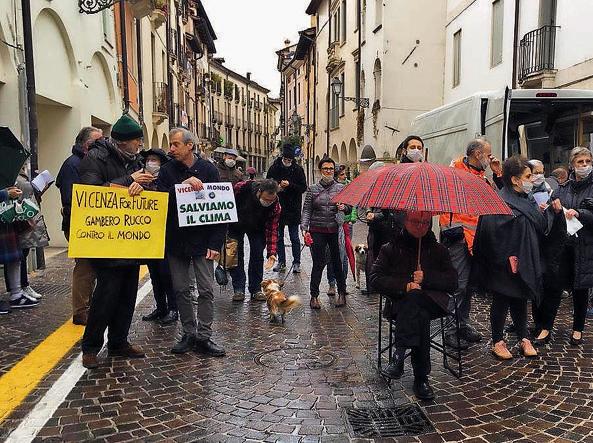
<point x="418" y="268"/>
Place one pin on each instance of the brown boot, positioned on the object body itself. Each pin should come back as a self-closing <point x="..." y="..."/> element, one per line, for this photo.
<point x="90" y="361"/>
<point x="341" y="301"/>
<point x="314" y="303"/>
<point x="501" y="352"/>
<point x="80" y="319"/>
<point x="127" y="351"/>
<point x="528" y="349"/>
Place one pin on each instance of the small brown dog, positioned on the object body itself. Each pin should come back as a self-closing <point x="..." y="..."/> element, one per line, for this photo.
<point x="360" y="254"/>
<point x="278" y="303"/>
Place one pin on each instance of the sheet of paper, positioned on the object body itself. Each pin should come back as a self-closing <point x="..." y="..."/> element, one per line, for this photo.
<point x="573" y="225"/>
<point x="43" y="180"/>
<point x="541" y="197"/>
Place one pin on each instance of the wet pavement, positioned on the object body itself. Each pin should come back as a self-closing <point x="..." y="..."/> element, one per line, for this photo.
<point x="295" y="382"/>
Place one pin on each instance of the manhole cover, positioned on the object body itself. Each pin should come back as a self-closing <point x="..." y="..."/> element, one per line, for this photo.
<point x="388" y="422"/>
<point x="292" y="359"/>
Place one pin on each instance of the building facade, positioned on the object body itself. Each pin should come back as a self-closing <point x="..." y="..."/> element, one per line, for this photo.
<point x="553" y="50"/>
<point x="378" y="65"/>
<point x="241" y="114"/>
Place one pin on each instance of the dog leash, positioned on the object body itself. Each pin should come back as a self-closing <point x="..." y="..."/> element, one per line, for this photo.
<point x="289" y="272"/>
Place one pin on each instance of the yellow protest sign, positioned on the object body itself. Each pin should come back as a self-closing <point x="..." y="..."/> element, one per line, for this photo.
<point x="108" y="223"/>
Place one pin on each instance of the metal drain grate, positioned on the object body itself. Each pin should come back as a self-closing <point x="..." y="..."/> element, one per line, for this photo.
<point x="388" y="422"/>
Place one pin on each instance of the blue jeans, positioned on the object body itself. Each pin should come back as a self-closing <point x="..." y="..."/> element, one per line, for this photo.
<point x="293" y="232"/>
<point x="257" y="244"/>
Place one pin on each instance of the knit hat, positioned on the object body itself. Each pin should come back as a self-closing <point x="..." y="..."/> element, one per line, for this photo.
<point x="288" y="151"/>
<point x="126" y="129"/>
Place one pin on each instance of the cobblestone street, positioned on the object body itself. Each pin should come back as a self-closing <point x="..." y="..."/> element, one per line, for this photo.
<point x="294" y="382"/>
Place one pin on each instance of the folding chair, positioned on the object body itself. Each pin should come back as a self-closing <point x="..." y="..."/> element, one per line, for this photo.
<point x="437" y="328"/>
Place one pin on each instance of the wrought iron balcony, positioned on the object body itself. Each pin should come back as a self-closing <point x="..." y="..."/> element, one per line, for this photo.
<point x="536" y="52"/>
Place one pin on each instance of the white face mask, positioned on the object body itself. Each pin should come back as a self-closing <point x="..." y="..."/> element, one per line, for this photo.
<point x="287" y="163"/>
<point x="327" y="180"/>
<point x="583" y="171"/>
<point x="415" y="155"/>
<point x="527" y="186"/>
<point x="265" y="204"/>
<point x="152" y="167"/>
<point x="485" y="162"/>
<point x="230" y="162"/>
<point x="538" y="179"/>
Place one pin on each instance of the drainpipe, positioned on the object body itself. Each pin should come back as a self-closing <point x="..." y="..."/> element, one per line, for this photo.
<point x="140" y="87"/>
<point x="329" y="91"/>
<point x="124" y="56"/>
<point x="516" y="41"/>
<point x="32" y="104"/>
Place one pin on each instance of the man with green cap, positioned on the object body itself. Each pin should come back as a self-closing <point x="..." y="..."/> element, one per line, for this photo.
<point x="113" y="160"/>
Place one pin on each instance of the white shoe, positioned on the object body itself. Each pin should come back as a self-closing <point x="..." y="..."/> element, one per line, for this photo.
<point x="32" y="293"/>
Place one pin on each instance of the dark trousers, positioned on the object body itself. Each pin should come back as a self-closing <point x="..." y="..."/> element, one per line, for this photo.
<point x="321" y="241"/>
<point x="112" y="308"/>
<point x="24" y="274"/>
<point x="548" y="309"/>
<point x="501" y="304"/>
<point x="257" y="244"/>
<point x="413" y="313"/>
<point x="162" y="287"/>
<point x="295" y="243"/>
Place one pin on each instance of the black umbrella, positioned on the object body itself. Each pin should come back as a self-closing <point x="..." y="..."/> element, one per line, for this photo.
<point x="13" y="156"/>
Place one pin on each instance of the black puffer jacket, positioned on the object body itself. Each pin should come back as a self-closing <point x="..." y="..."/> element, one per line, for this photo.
<point x="291" y="198"/>
<point x="102" y="166"/>
<point x="572" y="195"/>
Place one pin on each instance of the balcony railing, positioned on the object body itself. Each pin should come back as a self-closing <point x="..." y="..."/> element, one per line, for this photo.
<point x="536" y="52"/>
<point x="159" y="98"/>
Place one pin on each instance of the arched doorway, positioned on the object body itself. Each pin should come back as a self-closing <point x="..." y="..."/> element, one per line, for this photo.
<point x="343" y="154"/>
<point x="367" y="157"/>
<point x="334" y="154"/>
<point x="165" y="143"/>
<point x="352" y="155"/>
<point x="58" y="95"/>
<point x="315" y="169"/>
<point x="154" y="141"/>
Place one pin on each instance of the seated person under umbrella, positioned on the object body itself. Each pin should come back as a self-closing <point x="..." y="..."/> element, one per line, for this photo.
<point x="415" y="273"/>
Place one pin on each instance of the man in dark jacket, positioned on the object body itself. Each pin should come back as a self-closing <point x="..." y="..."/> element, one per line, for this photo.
<point x="418" y="291"/>
<point x="258" y="212"/>
<point x="291" y="178"/>
<point x="113" y="161"/>
<point x="83" y="275"/>
<point x="198" y="245"/>
<point x="227" y="166"/>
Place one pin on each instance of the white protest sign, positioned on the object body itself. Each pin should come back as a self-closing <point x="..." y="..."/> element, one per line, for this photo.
<point x="212" y="205"/>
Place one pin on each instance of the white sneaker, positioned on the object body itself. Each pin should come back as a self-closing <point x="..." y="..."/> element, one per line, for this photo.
<point x="32" y="293"/>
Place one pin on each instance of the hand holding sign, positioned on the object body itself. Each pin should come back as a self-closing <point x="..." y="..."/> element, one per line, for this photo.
<point x="213" y="203"/>
<point x="195" y="183"/>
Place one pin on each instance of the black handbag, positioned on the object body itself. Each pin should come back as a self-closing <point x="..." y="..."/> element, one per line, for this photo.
<point x="221" y="276"/>
<point x="220" y="273"/>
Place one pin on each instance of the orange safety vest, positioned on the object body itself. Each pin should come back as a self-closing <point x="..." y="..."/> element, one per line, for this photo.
<point x="469" y="222"/>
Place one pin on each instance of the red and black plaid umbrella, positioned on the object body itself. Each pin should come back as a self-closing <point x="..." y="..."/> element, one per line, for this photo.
<point x="426" y="187"/>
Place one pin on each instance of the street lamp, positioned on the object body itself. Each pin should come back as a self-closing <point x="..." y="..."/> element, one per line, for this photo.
<point x="337" y="85"/>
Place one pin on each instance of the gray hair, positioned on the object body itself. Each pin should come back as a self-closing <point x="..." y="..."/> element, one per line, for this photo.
<point x="267" y="185"/>
<point x="84" y="134"/>
<point x="475" y="144"/>
<point x="188" y="136"/>
<point x="534" y="163"/>
<point x="578" y="151"/>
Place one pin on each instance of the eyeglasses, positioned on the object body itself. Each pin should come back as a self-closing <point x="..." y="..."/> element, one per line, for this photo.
<point x="327" y="169"/>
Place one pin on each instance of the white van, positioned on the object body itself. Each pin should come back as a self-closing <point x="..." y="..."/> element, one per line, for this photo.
<point x="539" y="123"/>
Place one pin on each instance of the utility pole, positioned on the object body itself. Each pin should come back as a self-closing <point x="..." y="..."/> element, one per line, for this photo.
<point x="31" y="104"/>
